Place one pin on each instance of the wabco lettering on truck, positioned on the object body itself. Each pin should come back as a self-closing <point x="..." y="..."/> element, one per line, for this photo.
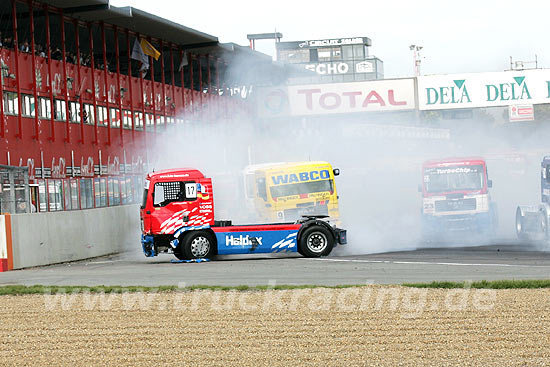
<point x="300" y="177"/>
<point x="286" y="191"/>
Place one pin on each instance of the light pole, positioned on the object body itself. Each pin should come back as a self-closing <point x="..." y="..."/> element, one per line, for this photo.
<point x="416" y="58"/>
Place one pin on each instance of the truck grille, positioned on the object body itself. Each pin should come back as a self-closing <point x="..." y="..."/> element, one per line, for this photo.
<point x="455" y="205"/>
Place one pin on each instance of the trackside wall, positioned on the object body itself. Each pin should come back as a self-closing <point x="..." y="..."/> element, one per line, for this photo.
<point x="50" y="238"/>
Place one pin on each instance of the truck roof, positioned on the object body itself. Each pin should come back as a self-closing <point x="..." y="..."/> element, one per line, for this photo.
<point x="466" y="161"/>
<point x="269" y="166"/>
<point x="176" y="173"/>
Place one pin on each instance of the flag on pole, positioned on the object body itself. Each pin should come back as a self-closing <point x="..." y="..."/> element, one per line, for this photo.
<point x="148" y="49"/>
<point x="184" y="61"/>
<point x="139" y="55"/>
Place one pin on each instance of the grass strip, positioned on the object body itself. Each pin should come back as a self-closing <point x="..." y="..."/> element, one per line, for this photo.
<point x="17" y="290"/>
<point x="484" y="284"/>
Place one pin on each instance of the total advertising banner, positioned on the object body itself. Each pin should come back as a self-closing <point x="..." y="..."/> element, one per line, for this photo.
<point x="335" y="98"/>
<point x="451" y="91"/>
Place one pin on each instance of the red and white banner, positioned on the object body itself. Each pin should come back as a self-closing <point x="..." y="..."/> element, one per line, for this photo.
<point x="337" y="98"/>
<point x="6" y="262"/>
<point x="521" y="113"/>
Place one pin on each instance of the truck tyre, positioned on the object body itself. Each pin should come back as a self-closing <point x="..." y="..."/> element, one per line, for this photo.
<point x="544" y="230"/>
<point x="316" y="241"/>
<point x="520" y="231"/>
<point x="196" y="245"/>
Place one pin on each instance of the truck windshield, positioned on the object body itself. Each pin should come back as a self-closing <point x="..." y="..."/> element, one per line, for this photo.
<point x="453" y="178"/>
<point x="301" y="188"/>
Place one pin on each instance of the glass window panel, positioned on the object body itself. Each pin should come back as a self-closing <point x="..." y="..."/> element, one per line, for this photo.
<point x="44" y="108"/>
<point x="294" y="56"/>
<point x="126" y="119"/>
<point x="60" y="110"/>
<point x="114" y="192"/>
<point x="42" y="196"/>
<point x="103" y="185"/>
<point x="10" y="103"/>
<point x="74" y="109"/>
<point x="324" y="54"/>
<point x="102" y="118"/>
<point x="123" y="194"/>
<point x="115" y="117"/>
<point x="337" y="53"/>
<point x="28" y="105"/>
<point x="86" y="193"/>
<point x="88" y="114"/>
<point x="55" y="197"/>
<point x="149" y="122"/>
<point x="74" y="194"/>
<point x="358" y="52"/>
<point x="67" y="192"/>
<point x="347" y="52"/>
<point x="138" y="120"/>
<point x="97" y="193"/>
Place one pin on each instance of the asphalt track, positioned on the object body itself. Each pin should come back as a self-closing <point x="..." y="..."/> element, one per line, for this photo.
<point x="507" y="261"/>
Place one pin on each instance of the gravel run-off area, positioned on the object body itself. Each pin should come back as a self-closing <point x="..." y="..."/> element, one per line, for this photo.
<point x="363" y="326"/>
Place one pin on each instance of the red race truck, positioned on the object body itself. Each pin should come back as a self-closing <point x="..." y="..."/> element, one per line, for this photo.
<point x="456" y="199"/>
<point x="177" y="216"/>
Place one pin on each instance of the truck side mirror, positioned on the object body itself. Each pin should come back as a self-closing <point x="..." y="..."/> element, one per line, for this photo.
<point x="490" y="183"/>
<point x="336" y="171"/>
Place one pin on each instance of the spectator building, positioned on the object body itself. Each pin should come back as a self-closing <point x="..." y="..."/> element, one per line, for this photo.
<point x="332" y="60"/>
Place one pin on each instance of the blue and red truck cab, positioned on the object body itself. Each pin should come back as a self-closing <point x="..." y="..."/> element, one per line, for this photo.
<point x="456" y="198"/>
<point x="532" y="221"/>
<point x="177" y="216"/>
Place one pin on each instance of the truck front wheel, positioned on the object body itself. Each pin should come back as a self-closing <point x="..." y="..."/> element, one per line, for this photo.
<point x="316" y="241"/>
<point x="196" y="245"/>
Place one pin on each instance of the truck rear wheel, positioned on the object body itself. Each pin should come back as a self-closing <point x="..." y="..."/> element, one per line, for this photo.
<point x="316" y="241"/>
<point x="544" y="230"/>
<point x="196" y="245"/>
<point x="520" y="231"/>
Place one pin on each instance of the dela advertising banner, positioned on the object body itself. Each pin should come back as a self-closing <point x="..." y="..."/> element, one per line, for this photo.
<point x="451" y="91"/>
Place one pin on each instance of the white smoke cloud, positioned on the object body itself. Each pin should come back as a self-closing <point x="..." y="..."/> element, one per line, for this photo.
<point x="380" y="166"/>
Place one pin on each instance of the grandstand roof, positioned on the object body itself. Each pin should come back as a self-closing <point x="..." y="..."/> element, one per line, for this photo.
<point x="135" y="20"/>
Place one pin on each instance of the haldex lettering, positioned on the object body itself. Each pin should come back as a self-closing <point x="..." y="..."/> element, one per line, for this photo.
<point x="242" y="241"/>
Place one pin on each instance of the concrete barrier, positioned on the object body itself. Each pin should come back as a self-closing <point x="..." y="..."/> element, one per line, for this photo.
<point x="50" y="238"/>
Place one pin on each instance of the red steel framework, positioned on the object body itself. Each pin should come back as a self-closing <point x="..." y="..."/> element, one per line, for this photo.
<point x="68" y="141"/>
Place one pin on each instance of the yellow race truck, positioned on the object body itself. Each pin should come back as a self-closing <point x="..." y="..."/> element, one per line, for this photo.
<point x="288" y="191"/>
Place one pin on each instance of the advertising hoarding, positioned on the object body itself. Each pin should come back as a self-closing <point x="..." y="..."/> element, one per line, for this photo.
<point x="335" y="98"/>
<point x="452" y="91"/>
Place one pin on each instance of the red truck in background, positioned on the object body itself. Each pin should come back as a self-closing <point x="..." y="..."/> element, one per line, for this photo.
<point x="177" y="216"/>
<point x="456" y="198"/>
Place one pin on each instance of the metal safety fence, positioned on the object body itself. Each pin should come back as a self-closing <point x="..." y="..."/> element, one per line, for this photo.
<point x="14" y="190"/>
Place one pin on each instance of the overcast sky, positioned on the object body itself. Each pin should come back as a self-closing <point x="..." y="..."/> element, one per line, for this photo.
<point x="457" y="36"/>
